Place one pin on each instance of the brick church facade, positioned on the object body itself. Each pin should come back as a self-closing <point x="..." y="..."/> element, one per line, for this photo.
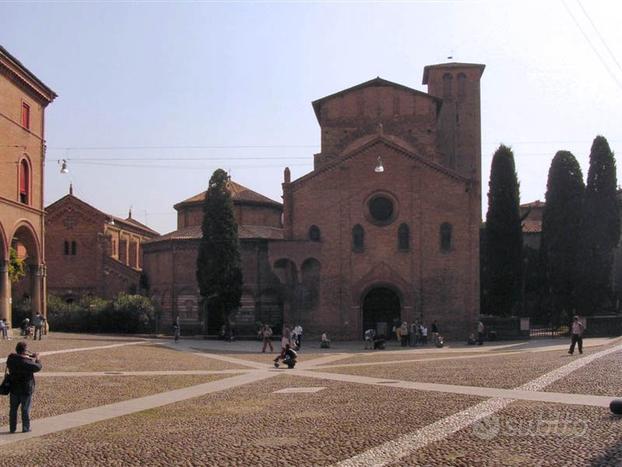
<point x="384" y="228"/>
<point x="90" y="252"/>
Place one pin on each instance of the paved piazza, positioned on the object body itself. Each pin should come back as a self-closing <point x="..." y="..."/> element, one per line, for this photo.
<point x="104" y="400"/>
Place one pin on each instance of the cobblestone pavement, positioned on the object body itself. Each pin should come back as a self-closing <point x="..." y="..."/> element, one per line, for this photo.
<point x="250" y="426"/>
<point x="55" y="396"/>
<point x="601" y="378"/>
<point x="506" y="371"/>
<point x="349" y="420"/>
<point x="138" y="357"/>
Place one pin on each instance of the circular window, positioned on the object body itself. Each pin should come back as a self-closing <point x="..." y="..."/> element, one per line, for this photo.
<point x="381" y="209"/>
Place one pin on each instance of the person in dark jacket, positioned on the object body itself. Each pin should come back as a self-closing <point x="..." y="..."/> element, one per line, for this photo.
<point x="22" y="365"/>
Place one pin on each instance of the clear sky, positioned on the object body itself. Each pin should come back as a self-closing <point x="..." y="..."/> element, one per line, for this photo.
<point x="230" y="85"/>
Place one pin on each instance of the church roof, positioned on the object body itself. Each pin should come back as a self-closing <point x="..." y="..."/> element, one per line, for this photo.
<point x="378" y="81"/>
<point x="239" y="194"/>
<point x="132" y="223"/>
<point x="245" y="232"/>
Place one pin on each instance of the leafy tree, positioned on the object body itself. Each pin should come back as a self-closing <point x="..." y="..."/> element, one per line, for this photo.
<point x="559" y="249"/>
<point x="219" y="272"/>
<point x="601" y="229"/>
<point x="17" y="266"/>
<point x="503" y="241"/>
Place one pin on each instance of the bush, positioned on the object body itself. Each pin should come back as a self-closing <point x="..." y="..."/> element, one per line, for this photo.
<point x="125" y="314"/>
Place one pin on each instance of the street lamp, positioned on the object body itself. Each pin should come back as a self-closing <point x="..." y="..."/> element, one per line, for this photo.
<point x="379" y="167"/>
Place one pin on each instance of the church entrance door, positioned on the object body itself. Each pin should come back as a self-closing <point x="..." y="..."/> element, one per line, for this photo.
<point x="381" y="311"/>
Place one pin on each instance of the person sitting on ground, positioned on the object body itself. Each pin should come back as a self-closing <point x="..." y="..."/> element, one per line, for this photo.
<point x="471" y="340"/>
<point x="288" y="356"/>
<point x="325" y="343"/>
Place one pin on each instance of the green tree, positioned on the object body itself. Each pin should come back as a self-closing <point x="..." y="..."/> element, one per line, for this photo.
<point x="219" y="272"/>
<point x="17" y="266"/>
<point x="504" y="241"/>
<point x="559" y="249"/>
<point x="601" y="230"/>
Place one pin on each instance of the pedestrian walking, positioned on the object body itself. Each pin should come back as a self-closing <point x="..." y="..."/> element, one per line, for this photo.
<point x="480" y="333"/>
<point x="404" y="333"/>
<point x="370" y="334"/>
<point x="576" y="335"/>
<point x="3" y="329"/>
<point x="266" y="337"/>
<point x="298" y="333"/>
<point x="37" y="322"/>
<point x="176" y="329"/>
<point x="21" y="365"/>
<point x="424" y="335"/>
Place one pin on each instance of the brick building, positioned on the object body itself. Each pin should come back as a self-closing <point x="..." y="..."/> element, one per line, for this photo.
<point x="385" y="227"/>
<point x="23" y="99"/>
<point x="90" y="252"/>
<point x="170" y="261"/>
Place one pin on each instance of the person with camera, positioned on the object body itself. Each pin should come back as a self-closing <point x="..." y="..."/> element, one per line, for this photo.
<point x="22" y="365"/>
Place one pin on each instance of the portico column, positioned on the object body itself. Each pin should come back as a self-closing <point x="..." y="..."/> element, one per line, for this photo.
<point x="36" y="271"/>
<point x="5" y="292"/>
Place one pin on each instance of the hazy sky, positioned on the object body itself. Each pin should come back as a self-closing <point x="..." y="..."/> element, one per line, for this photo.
<point x="231" y="84"/>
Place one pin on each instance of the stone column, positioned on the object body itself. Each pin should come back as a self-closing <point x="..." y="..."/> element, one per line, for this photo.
<point x="5" y="291"/>
<point x="36" y="271"/>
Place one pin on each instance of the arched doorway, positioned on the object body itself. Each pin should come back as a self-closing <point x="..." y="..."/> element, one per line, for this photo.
<point x="28" y="281"/>
<point x="381" y="310"/>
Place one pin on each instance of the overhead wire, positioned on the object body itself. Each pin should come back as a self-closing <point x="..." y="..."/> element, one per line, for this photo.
<point x="602" y="39"/>
<point x="589" y="41"/>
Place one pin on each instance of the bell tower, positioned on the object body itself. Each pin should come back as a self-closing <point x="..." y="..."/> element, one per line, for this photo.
<point x="459" y="120"/>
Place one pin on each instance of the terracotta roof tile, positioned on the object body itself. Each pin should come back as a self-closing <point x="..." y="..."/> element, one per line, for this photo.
<point x="532" y="226"/>
<point x="238" y="192"/>
<point x="244" y="232"/>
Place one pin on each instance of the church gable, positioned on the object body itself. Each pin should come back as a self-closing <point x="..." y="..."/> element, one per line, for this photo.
<point x="70" y="211"/>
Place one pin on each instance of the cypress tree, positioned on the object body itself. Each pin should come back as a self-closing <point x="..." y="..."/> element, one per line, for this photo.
<point x="219" y="272"/>
<point x="560" y="243"/>
<point x="601" y="229"/>
<point x="504" y="240"/>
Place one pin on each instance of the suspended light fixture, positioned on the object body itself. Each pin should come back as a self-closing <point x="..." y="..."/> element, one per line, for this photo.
<point x="63" y="166"/>
<point x="379" y="167"/>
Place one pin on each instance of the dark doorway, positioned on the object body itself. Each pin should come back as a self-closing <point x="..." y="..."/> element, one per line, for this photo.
<point x="381" y="310"/>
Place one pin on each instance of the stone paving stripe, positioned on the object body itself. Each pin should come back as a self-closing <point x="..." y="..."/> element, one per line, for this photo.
<point x="518" y="394"/>
<point x="322" y="360"/>
<point x="311" y="390"/>
<point x="54" y="374"/>
<point x="45" y="426"/>
<point x="83" y="349"/>
<point x="391" y="451"/>
<point x="424" y="359"/>
<point x="234" y="360"/>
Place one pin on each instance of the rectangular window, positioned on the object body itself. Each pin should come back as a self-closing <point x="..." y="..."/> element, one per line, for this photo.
<point x="25" y="115"/>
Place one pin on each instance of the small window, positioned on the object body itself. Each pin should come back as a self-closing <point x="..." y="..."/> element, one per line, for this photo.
<point x="314" y="233"/>
<point x="461" y="85"/>
<point x="403" y="237"/>
<point x="66" y="249"/>
<point x="25" y="115"/>
<point x="74" y="248"/>
<point x="358" y="238"/>
<point x="24" y="182"/>
<point x="447" y="79"/>
<point x="114" y="248"/>
<point x="446" y="240"/>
